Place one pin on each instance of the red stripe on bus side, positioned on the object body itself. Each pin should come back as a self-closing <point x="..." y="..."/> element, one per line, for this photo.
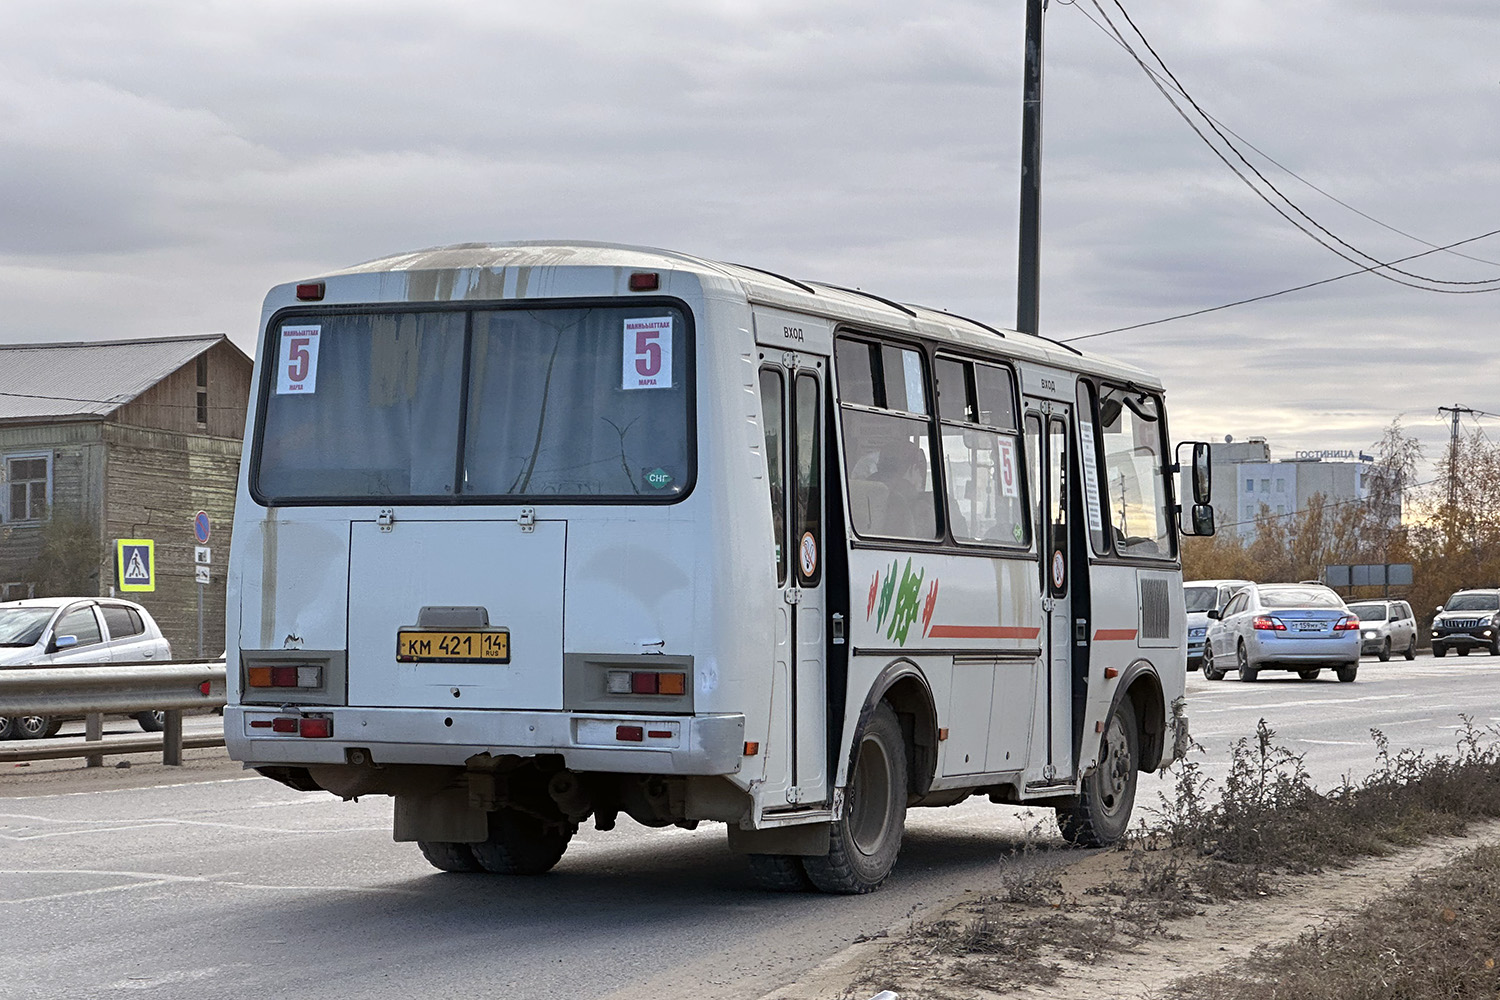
<point x="1105" y="634"/>
<point x="983" y="632"/>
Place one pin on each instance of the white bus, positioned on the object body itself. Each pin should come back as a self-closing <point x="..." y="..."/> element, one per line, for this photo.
<point x="537" y="532"/>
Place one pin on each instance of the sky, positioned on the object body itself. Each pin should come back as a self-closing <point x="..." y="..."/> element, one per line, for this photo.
<point x="165" y="163"/>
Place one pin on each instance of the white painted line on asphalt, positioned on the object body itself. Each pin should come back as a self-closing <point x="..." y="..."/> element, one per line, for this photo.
<point x="1308" y="703"/>
<point x="106" y="791"/>
<point x="1336" y="743"/>
<point x="148" y="880"/>
<point x="116" y="826"/>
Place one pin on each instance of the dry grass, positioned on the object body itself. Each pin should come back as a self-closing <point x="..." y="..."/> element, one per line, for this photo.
<point x="1438" y="939"/>
<point x="1211" y="845"/>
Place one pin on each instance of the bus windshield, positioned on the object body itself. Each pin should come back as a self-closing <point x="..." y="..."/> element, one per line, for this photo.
<point x="587" y="403"/>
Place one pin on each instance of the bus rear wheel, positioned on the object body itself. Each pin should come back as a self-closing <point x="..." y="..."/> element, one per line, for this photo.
<point x="779" y="873"/>
<point x="865" y="840"/>
<point x="1101" y="814"/>
<point x="448" y="856"/>
<point x="521" y="844"/>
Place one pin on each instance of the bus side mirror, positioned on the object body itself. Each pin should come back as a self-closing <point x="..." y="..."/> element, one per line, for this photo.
<point x="1201" y="521"/>
<point x="1201" y="466"/>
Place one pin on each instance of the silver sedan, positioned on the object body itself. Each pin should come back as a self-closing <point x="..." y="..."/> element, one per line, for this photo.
<point x="1283" y="626"/>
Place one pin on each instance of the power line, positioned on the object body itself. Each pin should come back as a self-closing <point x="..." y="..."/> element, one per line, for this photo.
<point x="1277" y="163"/>
<point x="1272" y="295"/>
<point x="1380" y="267"/>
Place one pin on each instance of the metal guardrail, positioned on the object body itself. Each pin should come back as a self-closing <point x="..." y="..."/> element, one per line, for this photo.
<point x="129" y="688"/>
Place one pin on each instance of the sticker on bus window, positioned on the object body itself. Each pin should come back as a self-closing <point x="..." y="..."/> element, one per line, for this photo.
<point x="1009" y="485"/>
<point x="297" y="370"/>
<point x="1090" y="476"/>
<point x="648" y="354"/>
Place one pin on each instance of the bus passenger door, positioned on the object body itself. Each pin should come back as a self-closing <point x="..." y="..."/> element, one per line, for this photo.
<point x="1047" y="456"/>
<point x="792" y="405"/>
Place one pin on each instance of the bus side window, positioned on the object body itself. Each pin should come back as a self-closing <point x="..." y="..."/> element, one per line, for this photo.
<point x="773" y="413"/>
<point x="887" y="426"/>
<point x="808" y="464"/>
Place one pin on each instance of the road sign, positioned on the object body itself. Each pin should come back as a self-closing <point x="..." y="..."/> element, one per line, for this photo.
<point x="201" y="526"/>
<point x="202" y="555"/>
<point x="135" y="564"/>
<point x="201" y="573"/>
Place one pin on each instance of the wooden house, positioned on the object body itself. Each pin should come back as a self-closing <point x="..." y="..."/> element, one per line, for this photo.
<point x="101" y="441"/>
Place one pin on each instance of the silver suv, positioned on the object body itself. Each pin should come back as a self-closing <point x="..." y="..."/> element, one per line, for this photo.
<point x="1386" y="627"/>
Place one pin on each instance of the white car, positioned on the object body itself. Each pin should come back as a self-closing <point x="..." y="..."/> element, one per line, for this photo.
<point x="1388" y="627"/>
<point x="1201" y="597"/>
<point x="72" y="631"/>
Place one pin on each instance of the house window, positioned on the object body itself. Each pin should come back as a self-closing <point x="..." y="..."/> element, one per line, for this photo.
<point x="1249" y="486"/>
<point x="1265" y="486"/>
<point x="28" y="487"/>
<point x="203" y="389"/>
<point x="1281" y="486"/>
<point x="17" y="591"/>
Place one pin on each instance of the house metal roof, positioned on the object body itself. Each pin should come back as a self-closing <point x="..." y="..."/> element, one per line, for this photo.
<point x="88" y="378"/>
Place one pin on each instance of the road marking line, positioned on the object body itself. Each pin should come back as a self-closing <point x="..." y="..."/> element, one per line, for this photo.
<point x="142" y="788"/>
<point x="148" y="880"/>
<point x="1335" y="743"/>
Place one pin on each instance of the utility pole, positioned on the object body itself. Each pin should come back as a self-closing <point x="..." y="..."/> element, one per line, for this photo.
<point x="1456" y="410"/>
<point x="1028" y="270"/>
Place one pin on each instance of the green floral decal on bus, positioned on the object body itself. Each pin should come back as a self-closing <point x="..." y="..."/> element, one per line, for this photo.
<point x="899" y="599"/>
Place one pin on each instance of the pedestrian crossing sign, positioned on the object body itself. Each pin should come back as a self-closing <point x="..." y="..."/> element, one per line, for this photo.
<point x="135" y="562"/>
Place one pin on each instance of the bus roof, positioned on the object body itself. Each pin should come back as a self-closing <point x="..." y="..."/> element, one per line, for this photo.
<point x="760" y="287"/>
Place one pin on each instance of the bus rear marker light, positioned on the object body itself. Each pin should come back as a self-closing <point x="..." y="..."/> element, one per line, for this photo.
<point x="310" y="291"/>
<point x="315" y="728"/>
<point x="645" y="281"/>
<point x="629" y="734"/>
<point x="751" y="749"/>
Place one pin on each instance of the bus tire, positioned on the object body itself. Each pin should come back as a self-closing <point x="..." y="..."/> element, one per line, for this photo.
<point x="865" y="840"/>
<point x="7" y="727"/>
<point x="778" y="873"/>
<point x="1101" y="814"/>
<point x="449" y="856"/>
<point x="520" y="844"/>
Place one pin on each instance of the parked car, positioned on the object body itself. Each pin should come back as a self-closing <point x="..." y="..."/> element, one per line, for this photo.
<point x="1201" y="597"/>
<point x="1386" y="626"/>
<point x="1469" y="620"/>
<point x="1283" y="626"/>
<point x="72" y="631"/>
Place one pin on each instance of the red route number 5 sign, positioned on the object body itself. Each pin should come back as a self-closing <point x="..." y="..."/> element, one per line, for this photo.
<point x="297" y="370"/>
<point x="647" y="354"/>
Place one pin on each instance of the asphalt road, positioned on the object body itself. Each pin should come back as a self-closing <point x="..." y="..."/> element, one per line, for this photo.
<point x="207" y="883"/>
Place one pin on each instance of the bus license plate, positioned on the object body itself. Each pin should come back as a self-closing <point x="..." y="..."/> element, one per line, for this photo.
<point x="491" y="645"/>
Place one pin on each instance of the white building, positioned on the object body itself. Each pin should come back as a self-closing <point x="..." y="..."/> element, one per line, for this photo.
<point x="1246" y="479"/>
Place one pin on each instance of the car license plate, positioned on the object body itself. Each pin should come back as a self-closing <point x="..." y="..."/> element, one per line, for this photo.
<point x="487" y="645"/>
<point x="1309" y="626"/>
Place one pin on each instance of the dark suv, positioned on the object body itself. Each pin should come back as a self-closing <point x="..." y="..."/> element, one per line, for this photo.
<point x="1470" y="620"/>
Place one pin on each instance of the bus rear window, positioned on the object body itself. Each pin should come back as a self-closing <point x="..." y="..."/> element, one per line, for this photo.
<point x="560" y="403"/>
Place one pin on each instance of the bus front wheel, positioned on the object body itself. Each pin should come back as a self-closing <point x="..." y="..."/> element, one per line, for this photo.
<point x="865" y="840"/>
<point x="1101" y="814"/>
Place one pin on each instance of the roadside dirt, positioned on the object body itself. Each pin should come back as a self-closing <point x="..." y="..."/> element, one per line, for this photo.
<point x="1206" y="942"/>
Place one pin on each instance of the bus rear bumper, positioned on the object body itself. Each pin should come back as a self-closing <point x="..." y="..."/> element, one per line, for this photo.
<point x="700" y="744"/>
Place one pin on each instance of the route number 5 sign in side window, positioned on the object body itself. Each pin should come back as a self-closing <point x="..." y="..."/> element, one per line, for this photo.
<point x="648" y="354"/>
<point x="298" y="368"/>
